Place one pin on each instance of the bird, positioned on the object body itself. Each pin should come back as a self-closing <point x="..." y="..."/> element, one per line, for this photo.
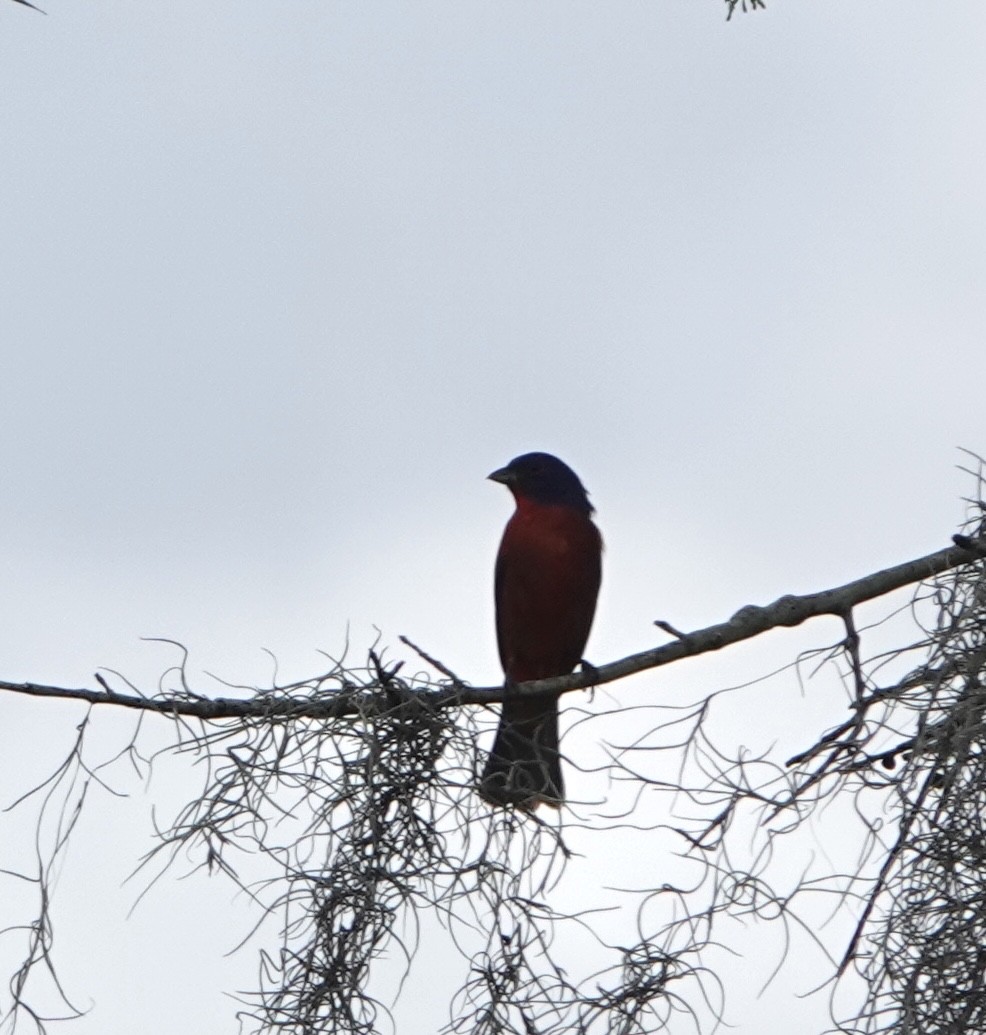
<point x="546" y="582"/>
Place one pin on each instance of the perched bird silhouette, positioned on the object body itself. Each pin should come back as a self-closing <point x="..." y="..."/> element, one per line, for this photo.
<point x="547" y="579"/>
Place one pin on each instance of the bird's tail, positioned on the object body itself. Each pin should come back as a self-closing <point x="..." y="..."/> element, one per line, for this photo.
<point x="524" y="767"/>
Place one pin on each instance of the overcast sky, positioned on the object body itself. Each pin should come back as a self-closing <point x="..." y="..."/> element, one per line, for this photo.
<point x="281" y="283"/>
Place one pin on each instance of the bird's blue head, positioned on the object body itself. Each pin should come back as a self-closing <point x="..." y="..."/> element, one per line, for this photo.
<point x="543" y="478"/>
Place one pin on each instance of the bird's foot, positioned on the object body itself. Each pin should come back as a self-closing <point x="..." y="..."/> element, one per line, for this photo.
<point x="590" y="670"/>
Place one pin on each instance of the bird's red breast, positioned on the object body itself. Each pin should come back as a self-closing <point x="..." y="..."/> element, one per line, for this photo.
<point x="546" y="583"/>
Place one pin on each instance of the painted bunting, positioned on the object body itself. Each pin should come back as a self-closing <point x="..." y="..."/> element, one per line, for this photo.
<point x="547" y="579"/>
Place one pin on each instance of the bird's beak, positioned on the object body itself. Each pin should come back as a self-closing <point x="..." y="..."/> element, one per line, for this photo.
<point x="503" y="475"/>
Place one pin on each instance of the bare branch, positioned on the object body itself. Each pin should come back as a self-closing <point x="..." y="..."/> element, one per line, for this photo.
<point x="748" y="622"/>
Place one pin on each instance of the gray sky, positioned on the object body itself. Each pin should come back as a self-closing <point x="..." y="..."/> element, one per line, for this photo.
<point x="280" y="285"/>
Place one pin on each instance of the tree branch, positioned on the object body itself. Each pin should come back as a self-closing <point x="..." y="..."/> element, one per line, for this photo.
<point x="317" y="703"/>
